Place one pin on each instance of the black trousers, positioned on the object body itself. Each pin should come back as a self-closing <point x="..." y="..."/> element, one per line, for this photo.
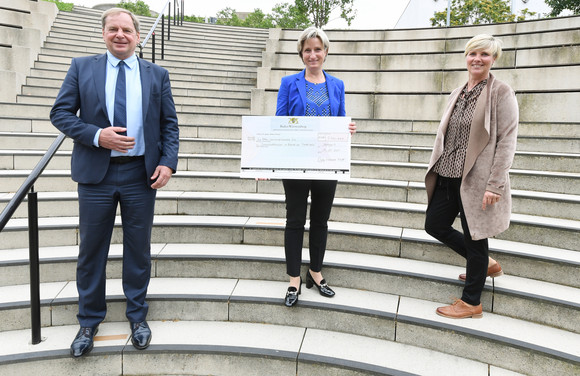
<point x="322" y="196"/>
<point x="441" y="213"/>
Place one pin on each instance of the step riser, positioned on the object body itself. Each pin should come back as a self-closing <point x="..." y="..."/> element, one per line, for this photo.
<point x="209" y="145"/>
<point x="259" y="310"/>
<point x="413" y="219"/>
<point x="530" y="363"/>
<point x="520" y="204"/>
<point x="550" y="271"/>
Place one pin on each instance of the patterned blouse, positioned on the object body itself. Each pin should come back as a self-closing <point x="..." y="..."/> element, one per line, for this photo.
<point x="451" y="162"/>
<point x="317" y="100"/>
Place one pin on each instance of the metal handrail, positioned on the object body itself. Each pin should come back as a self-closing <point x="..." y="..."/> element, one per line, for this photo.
<point x="29" y="182"/>
<point x="152" y="30"/>
<point x="161" y="17"/>
<point x="33" y="246"/>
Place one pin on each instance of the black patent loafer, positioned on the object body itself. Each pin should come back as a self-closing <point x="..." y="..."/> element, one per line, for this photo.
<point x="292" y="295"/>
<point x="83" y="342"/>
<point x="140" y="335"/>
<point x="323" y="288"/>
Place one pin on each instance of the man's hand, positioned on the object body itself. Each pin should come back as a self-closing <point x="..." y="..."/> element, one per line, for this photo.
<point x="162" y="174"/>
<point x="111" y="139"/>
<point x="489" y="198"/>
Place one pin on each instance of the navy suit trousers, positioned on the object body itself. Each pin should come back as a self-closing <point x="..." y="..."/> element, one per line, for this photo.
<point x="124" y="185"/>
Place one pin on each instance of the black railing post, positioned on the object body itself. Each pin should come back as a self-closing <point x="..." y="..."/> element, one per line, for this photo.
<point x="153" y="48"/>
<point x="169" y="23"/>
<point x="162" y="38"/>
<point x="182" y="11"/>
<point x="34" y="266"/>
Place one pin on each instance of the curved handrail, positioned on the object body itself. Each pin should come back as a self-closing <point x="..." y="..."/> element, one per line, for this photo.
<point x="152" y="30"/>
<point x="27" y="185"/>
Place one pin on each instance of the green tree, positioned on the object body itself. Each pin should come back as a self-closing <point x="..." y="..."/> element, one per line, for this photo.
<point x="560" y="5"/>
<point x="474" y="12"/>
<point x="318" y="11"/>
<point x="258" y="19"/>
<point x="288" y="16"/>
<point x="228" y="16"/>
<point x="194" y="19"/>
<point x="137" y="7"/>
<point x="66" y="7"/>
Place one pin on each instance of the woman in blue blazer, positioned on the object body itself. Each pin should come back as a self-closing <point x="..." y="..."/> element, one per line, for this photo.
<point x="311" y="92"/>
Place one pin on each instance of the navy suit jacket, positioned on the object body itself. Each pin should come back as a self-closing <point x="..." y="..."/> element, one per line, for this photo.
<point x="292" y="95"/>
<point x="84" y="89"/>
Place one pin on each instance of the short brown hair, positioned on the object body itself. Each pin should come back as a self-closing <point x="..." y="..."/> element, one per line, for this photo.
<point x="113" y="11"/>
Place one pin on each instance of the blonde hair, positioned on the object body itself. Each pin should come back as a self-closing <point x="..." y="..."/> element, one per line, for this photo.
<point x="113" y="11"/>
<point x="484" y="42"/>
<point x="312" y="32"/>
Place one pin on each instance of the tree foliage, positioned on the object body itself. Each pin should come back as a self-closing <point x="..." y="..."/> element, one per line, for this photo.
<point x="318" y="11"/>
<point x="299" y="15"/>
<point x="194" y="19"/>
<point x="288" y="16"/>
<point x="474" y="12"/>
<point x="137" y="7"/>
<point x="66" y="7"/>
<point x="558" y="6"/>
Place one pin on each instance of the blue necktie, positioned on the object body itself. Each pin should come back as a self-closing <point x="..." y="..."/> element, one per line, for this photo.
<point x="120" y="111"/>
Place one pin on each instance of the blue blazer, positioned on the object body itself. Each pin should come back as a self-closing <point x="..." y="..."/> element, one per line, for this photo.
<point x="292" y="95"/>
<point x="84" y="89"/>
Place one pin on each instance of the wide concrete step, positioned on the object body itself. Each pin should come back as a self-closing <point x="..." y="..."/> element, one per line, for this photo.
<point x="58" y="71"/>
<point x="376" y="127"/>
<point x="175" y="84"/>
<point x="232" y="61"/>
<point x="227" y="348"/>
<point x="568" y="143"/>
<point x="524" y="58"/>
<point x="225" y="159"/>
<point x="552" y="78"/>
<point x="523" y="258"/>
<point x="411" y="35"/>
<point x="193" y="295"/>
<point x="537" y="107"/>
<point x="435" y="44"/>
<point x="243" y="38"/>
<point x="40" y="95"/>
<point x="68" y="23"/>
<point x="547" y="303"/>
<point x="185" y="48"/>
<point x="65" y="56"/>
<point x="538" y="203"/>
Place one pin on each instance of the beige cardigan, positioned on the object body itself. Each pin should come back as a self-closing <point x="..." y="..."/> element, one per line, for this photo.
<point x="490" y="153"/>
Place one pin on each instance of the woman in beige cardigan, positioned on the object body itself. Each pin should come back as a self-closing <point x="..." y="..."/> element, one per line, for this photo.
<point x="469" y="171"/>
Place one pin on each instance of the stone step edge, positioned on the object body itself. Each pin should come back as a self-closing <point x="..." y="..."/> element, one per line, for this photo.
<point x="562" y="197"/>
<point x="394" y="184"/>
<point x="526" y="288"/>
<point x="416" y="208"/>
<point x="563" y="341"/>
<point x="247" y="346"/>
<point x="564" y="256"/>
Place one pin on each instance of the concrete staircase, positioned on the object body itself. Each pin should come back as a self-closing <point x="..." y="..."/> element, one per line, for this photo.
<point x="219" y="275"/>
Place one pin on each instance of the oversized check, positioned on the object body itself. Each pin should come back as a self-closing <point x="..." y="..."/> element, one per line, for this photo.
<point x="295" y="147"/>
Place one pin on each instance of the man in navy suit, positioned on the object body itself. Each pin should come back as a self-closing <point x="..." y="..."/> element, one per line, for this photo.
<point x="118" y="158"/>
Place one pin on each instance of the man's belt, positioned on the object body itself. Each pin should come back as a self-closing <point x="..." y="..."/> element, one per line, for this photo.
<point x="126" y="159"/>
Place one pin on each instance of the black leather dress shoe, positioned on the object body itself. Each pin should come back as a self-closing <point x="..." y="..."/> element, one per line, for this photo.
<point x="140" y="335"/>
<point x="323" y="288"/>
<point x="83" y="342"/>
<point x="292" y="295"/>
